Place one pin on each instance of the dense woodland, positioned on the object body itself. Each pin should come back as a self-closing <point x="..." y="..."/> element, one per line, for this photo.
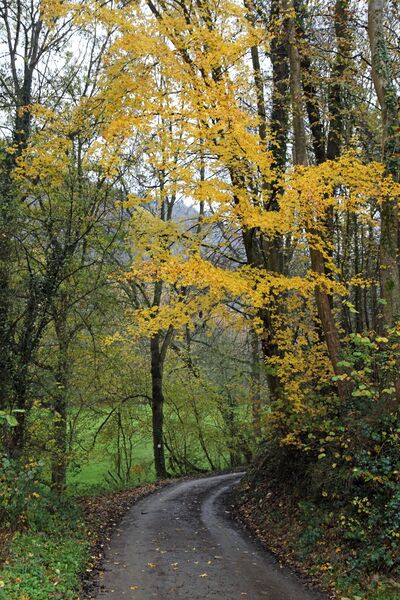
<point x="199" y="261"/>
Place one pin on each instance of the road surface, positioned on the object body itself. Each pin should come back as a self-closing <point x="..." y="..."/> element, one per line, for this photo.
<point x="180" y="544"/>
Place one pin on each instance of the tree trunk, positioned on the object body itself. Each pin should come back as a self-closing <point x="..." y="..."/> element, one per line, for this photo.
<point x="279" y="55"/>
<point x="262" y="251"/>
<point x="336" y="94"/>
<point x="157" y="406"/>
<point x="384" y="83"/>
<point x="5" y="298"/>
<point x="323" y="303"/>
<point x="296" y="94"/>
<point x="20" y="136"/>
<point x="255" y="383"/>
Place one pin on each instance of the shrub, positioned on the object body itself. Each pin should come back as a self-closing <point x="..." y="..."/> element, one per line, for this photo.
<point x="20" y="490"/>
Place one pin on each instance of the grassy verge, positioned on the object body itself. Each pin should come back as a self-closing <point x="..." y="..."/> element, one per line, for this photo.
<point x="60" y="554"/>
<point x="46" y="562"/>
<point x="46" y="545"/>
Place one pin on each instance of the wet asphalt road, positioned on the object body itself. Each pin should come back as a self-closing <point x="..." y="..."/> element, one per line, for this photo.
<point x="180" y="544"/>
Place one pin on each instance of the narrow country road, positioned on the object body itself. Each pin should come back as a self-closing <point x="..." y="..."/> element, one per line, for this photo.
<point x="180" y="544"/>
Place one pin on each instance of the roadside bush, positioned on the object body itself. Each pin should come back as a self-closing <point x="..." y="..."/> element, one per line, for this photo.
<point x="49" y="546"/>
<point x="21" y="491"/>
<point x="341" y="460"/>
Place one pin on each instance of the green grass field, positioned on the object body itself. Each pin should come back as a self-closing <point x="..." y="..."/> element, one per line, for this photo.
<point x="93" y="467"/>
<point x="94" y="472"/>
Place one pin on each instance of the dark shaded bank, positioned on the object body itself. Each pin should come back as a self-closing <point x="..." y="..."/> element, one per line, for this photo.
<point x="181" y="542"/>
<point x="309" y="538"/>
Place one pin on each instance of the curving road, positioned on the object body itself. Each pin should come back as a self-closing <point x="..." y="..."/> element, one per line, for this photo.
<point x="180" y="544"/>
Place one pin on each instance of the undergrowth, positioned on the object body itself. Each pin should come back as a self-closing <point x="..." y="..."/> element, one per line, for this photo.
<point x="45" y="559"/>
<point x="327" y="484"/>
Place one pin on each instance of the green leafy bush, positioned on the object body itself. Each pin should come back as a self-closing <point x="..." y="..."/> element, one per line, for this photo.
<point x="20" y="490"/>
<point x="341" y="460"/>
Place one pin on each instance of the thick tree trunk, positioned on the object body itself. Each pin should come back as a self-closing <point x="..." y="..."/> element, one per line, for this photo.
<point x="383" y="77"/>
<point x="322" y="299"/>
<point x="337" y="85"/>
<point x="279" y="55"/>
<point x="296" y="94"/>
<point x="325" y="315"/>
<point x="263" y="251"/>
<point x="157" y="406"/>
<point x="8" y="211"/>
<point x="256" y="383"/>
